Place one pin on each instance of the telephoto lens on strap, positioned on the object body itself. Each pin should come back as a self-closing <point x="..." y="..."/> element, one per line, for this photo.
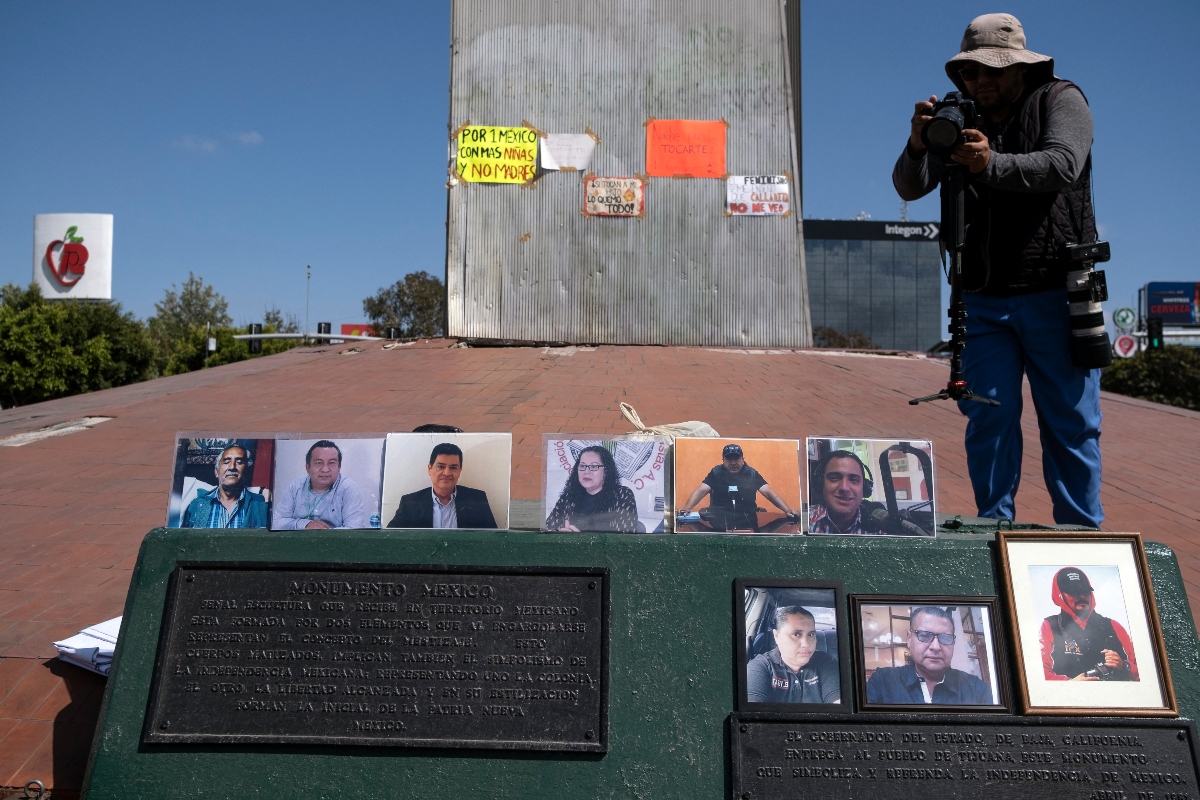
<point x="1086" y="290"/>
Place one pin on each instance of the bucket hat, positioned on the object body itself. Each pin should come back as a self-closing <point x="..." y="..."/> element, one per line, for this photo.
<point x="997" y="40"/>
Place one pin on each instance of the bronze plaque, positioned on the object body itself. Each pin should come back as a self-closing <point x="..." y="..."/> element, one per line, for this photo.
<point x="949" y="757"/>
<point x="481" y="657"/>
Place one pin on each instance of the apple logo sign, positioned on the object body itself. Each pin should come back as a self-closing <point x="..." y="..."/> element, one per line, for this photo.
<point x="72" y="260"/>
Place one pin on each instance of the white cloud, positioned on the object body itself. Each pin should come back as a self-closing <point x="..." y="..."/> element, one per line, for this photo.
<point x="247" y="138"/>
<point x="196" y="144"/>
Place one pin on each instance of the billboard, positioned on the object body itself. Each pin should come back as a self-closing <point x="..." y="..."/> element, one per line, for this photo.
<point x="72" y="255"/>
<point x="1176" y="303"/>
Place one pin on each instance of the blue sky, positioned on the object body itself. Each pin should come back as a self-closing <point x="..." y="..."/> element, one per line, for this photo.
<point x="243" y="141"/>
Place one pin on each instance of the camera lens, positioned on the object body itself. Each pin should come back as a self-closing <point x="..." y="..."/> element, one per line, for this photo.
<point x="943" y="133"/>
<point x="1090" y="346"/>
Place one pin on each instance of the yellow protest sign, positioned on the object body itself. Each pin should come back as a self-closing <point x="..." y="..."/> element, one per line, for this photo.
<point x="491" y="154"/>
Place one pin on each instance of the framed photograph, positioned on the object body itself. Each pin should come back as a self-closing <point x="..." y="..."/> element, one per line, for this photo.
<point x="871" y="487"/>
<point x="221" y="480"/>
<point x="1085" y="624"/>
<point x="447" y="480"/>
<point x="791" y="651"/>
<point x="737" y="486"/>
<point x="615" y="484"/>
<point x="928" y="653"/>
<point x="324" y="482"/>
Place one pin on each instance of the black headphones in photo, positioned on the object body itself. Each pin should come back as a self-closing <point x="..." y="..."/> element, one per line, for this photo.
<point x="816" y="488"/>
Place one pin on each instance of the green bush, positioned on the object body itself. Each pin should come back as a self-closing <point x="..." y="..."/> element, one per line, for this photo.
<point x="824" y="336"/>
<point x="190" y="353"/>
<point x="60" y="348"/>
<point x="1170" y="375"/>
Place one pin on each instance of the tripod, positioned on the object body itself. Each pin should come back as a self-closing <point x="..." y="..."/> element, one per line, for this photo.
<point x="954" y="239"/>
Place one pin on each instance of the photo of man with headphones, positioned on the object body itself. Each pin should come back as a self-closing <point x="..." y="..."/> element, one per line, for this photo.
<point x="841" y="484"/>
<point x="836" y="507"/>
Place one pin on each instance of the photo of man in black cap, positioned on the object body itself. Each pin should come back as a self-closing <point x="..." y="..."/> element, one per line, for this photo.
<point x="1078" y="644"/>
<point x="732" y="487"/>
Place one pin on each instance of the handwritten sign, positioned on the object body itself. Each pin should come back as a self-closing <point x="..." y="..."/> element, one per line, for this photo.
<point x="567" y="151"/>
<point x="613" y="197"/>
<point x="757" y="195"/>
<point x="684" y="148"/>
<point x="490" y="154"/>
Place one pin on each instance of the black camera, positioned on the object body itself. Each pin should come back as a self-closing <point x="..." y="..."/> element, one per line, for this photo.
<point x="1103" y="672"/>
<point x="1086" y="290"/>
<point x="951" y="116"/>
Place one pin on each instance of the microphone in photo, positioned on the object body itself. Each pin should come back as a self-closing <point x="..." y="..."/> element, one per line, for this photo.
<point x="875" y="518"/>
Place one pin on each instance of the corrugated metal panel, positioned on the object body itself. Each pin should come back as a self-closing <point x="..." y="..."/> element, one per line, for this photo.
<point x="684" y="274"/>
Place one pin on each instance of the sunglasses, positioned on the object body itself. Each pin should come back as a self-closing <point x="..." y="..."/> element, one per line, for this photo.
<point x="925" y="637"/>
<point x="972" y="73"/>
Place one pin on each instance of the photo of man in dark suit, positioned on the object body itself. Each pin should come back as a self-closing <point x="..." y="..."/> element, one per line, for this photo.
<point x="445" y="504"/>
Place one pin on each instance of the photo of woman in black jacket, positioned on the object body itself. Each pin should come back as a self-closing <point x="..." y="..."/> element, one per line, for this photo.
<point x="593" y="498"/>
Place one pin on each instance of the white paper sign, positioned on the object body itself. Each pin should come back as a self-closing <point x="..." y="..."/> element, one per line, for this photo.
<point x="567" y="151"/>
<point x="72" y="255"/>
<point x="757" y="195"/>
<point x="613" y="197"/>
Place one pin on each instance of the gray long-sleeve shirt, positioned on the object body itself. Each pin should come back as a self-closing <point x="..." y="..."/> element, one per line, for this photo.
<point x="1059" y="161"/>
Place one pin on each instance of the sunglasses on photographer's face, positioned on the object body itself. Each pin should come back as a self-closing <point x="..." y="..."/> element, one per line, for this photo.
<point x="925" y="637"/>
<point x="971" y="74"/>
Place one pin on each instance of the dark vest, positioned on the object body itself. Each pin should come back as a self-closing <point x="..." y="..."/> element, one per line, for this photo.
<point x="1014" y="239"/>
<point x="1076" y="650"/>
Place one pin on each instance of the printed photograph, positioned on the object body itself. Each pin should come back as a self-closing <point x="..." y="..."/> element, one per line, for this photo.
<point x="871" y="487"/>
<point x="1085" y="626"/>
<point x="328" y="482"/>
<point x="612" y="485"/>
<point x="447" y="480"/>
<point x="221" y="481"/>
<point x="921" y="651"/>
<point x="791" y="637"/>
<point x="737" y="486"/>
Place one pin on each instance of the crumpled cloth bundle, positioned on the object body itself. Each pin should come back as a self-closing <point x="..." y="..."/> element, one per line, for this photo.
<point x="92" y="648"/>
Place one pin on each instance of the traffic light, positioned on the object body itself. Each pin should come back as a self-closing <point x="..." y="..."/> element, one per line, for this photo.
<point x="255" y="344"/>
<point x="1154" y="334"/>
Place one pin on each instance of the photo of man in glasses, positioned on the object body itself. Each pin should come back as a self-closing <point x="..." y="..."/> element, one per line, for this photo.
<point x="928" y="678"/>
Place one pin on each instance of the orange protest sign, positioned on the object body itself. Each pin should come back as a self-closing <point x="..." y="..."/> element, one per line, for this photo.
<point x="685" y="148"/>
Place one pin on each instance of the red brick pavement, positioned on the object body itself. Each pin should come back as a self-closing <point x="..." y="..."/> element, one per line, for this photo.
<point x="76" y="507"/>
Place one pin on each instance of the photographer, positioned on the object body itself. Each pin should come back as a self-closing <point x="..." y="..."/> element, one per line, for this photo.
<point x="1079" y="644"/>
<point x="1028" y="194"/>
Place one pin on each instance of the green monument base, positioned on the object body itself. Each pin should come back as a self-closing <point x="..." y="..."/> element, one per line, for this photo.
<point x="670" y="680"/>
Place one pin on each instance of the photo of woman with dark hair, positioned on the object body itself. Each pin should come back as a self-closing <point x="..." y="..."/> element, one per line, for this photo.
<point x="593" y="498"/>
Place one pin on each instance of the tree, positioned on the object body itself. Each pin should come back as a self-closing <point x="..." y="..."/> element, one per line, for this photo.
<point x="191" y="353"/>
<point x="274" y="320"/>
<point x="416" y="305"/>
<point x="195" y="305"/>
<point x="824" y="336"/>
<point x="54" y="349"/>
<point x="1170" y="375"/>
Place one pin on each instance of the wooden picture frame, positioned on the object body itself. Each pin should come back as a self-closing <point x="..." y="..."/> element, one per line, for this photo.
<point x="978" y="638"/>
<point x="755" y="602"/>
<point x="1112" y="567"/>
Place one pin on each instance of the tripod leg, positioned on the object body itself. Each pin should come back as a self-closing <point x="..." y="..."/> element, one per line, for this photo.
<point x="954" y="238"/>
<point x="942" y="395"/>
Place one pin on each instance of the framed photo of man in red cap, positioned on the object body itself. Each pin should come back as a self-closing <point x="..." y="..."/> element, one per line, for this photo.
<point x="1085" y="624"/>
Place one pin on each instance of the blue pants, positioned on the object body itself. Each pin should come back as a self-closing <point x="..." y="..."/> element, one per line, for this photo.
<point x="1030" y="334"/>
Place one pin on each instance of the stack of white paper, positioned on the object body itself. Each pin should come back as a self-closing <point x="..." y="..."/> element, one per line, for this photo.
<point x="91" y="648"/>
